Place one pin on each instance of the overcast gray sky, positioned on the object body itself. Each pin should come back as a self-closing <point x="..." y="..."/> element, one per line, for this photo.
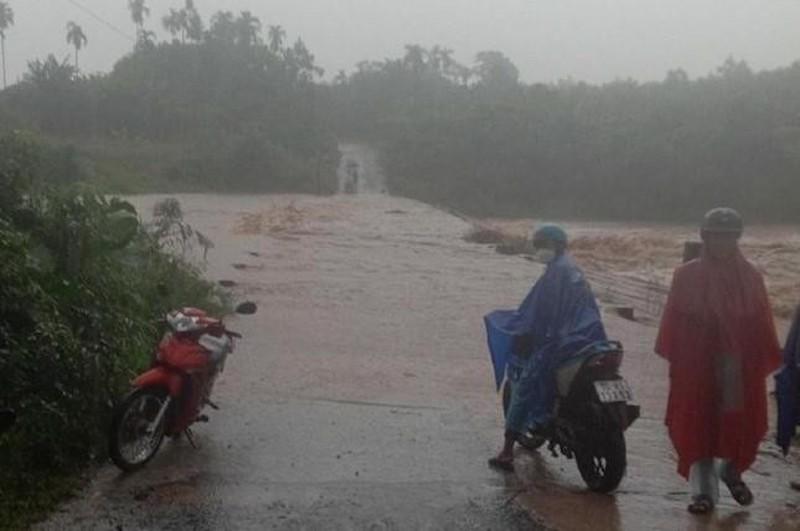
<point x="593" y="40"/>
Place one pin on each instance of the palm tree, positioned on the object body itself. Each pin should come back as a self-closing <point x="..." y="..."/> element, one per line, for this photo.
<point x="193" y="23"/>
<point x="77" y="38"/>
<point x="248" y="27"/>
<point x="175" y="23"/>
<point x="223" y="26"/>
<point x="139" y="11"/>
<point x="276" y="37"/>
<point x="6" y="21"/>
<point x="303" y="62"/>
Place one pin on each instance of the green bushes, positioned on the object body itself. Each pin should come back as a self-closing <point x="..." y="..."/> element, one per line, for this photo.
<point x="81" y="284"/>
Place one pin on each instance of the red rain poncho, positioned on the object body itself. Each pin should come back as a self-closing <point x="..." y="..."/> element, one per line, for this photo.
<point x="718" y="335"/>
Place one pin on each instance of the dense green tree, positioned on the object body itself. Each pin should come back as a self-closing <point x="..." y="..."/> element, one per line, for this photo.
<point x="223" y="27"/>
<point x="416" y="58"/>
<point x="495" y="71"/>
<point x="301" y="63"/>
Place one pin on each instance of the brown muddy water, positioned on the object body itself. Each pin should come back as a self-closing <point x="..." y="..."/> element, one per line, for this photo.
<point x="362" y="395"/>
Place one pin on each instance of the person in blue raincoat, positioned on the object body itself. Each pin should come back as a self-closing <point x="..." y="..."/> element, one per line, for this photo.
<point x="787" y="389"/>
<point x="559" y="317"/>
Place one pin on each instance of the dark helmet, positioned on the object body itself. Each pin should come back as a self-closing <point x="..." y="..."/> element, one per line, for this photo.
<point x="722" y="220"/>
<point x="550" y="233"/>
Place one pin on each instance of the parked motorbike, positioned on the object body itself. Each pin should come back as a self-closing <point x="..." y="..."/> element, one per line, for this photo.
<point x="168" y="399"/>
<point x="7" y="419"/>
<point x="591" y="415"/>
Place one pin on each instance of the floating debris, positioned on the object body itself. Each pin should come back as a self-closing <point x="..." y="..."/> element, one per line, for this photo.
<point x="248" y="267"/>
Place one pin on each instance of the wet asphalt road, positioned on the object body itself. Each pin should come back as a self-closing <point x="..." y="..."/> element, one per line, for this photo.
<point x="362" y="396"/>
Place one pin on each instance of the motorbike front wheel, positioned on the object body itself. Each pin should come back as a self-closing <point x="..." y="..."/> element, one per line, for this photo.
<point x="133" y="440"/>
<point x="602" y="461"/>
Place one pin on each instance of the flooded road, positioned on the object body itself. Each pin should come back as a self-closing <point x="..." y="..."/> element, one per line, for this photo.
<point x="362" y="397"/>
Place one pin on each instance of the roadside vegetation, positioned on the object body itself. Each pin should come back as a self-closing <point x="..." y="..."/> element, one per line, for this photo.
<point x="75" y="323"/>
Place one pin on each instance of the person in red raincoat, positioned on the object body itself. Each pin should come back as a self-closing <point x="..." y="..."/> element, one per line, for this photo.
<point x="717" y="334"/>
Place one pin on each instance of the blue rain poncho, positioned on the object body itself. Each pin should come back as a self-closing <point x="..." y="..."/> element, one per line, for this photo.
<point x="787" y="387"/>
<point x="558" y="317"/>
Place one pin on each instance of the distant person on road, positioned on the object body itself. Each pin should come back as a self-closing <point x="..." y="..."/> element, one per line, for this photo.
<point x="353" y="174"/>
<point x="559" y="316"/>
<point x="787" y="389"/>
<point x="717" y="334"/>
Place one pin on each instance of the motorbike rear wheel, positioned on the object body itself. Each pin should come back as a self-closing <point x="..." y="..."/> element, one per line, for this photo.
<point x="131" y="442"/>
<point x="527" y="441"/>
<point x="602" y="461"/>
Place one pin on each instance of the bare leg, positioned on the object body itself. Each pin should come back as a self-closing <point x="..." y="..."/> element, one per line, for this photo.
<point x="505" y="459"/>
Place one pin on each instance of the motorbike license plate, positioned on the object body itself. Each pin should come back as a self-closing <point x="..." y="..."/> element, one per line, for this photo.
<point x="613" y="391"/>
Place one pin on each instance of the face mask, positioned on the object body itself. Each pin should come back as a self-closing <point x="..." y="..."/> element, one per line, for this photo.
<point x="544" y="256"/>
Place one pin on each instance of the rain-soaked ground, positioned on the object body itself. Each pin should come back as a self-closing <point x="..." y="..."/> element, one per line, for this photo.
<point x="361" y="396"/>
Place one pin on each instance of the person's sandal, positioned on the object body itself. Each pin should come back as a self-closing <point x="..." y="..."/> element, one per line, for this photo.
<point x="501" y="464"/>
<point x="701" y="504"/>
<point x="740" y="492"/>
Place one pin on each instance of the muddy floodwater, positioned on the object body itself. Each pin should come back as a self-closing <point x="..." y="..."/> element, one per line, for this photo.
<point x="361" y="396"/>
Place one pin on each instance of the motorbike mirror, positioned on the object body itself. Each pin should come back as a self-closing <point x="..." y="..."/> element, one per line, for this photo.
<point x="7" y="419"/>
<point x="246" y="308"/>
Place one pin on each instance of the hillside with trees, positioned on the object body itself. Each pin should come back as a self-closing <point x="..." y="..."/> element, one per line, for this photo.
<point x="228" y="104"/>
<point x="217" y="108"/>
<point x="478" y="139"/>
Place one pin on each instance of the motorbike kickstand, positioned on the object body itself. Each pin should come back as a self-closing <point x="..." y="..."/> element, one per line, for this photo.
<point x="212" y="404"/>
<point x="190" y="437"/>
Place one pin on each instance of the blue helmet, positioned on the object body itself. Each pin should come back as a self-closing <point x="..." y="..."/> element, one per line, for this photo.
<point x="722" y="220"/>
<point x="550" y="233"/>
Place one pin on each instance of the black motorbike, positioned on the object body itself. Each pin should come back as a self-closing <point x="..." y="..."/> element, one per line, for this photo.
<point x="591" y="415"/>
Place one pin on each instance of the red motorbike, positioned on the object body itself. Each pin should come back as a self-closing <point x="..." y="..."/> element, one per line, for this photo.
<point x="168" y="398"/>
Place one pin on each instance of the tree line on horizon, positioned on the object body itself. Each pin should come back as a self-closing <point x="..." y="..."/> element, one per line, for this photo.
<point x="486" y="143"/>
<point x="215" y="108"/>
<point x="226" y="107"/>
